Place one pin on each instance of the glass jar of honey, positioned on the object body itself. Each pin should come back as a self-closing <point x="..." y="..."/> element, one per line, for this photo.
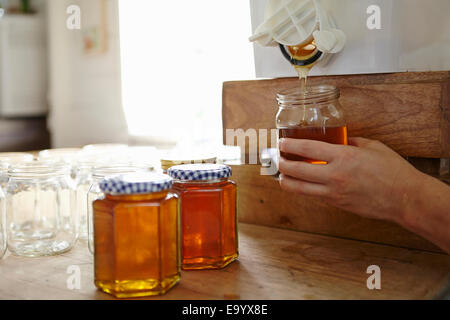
<point x="136" y="235"/>
<point x="208" y="215"/>
<point x="314" y="114"/>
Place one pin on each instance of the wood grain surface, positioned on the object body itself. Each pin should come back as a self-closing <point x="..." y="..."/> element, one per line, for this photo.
<point x="273" y="264"/>
<point x="261" y="201"/>
<point x="410" y="112"/>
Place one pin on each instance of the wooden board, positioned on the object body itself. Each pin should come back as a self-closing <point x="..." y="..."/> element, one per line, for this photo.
<point x="261" y="201"/>
<point x="273" y="264"/>
<point x="410" y="112"/>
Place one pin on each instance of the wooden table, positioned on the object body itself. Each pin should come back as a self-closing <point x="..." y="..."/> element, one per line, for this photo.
<point x="273" y="264"/>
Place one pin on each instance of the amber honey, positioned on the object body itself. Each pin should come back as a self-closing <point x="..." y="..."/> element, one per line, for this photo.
<point x="208" y="215"/>
<point x="136" y="244"/>
<point x="335" y="135"/>
<point x="303" y="52"/>
<point x="208" y="224"/>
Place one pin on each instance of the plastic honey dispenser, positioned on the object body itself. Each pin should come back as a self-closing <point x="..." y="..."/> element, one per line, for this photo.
<point x="304" y="31"/>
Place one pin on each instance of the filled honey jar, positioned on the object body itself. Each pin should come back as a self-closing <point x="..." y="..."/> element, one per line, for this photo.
<point x="136" y="235"/>
<point x="315" y="114"/>
<point x="208" y="215"/>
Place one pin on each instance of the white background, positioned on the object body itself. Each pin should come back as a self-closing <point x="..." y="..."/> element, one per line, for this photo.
<point x="415" y="36"/>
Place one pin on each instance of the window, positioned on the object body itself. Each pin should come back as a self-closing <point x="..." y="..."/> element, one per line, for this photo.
<point x="175" y="56"/>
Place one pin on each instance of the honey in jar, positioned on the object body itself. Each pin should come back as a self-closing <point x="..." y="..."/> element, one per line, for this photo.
<point x="336" y="135"/>
<point x="136" y="235"/>
<point x="314" y="115"/>
<point x="208" y="215"/>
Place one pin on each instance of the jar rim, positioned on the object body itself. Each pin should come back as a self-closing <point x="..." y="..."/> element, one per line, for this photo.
<point x="198" y="182"/>
<point x="15" y="157"/>
<point x="104" y="171"/>
<point x="62" y="154"/>
<point x="38" y="169"/>
<point x="314" y="94"/>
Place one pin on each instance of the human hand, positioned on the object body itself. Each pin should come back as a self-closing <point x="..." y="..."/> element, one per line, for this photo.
<point x="365" y="177"/>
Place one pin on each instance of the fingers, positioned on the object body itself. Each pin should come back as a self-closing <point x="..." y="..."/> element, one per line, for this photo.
<point x="309" y="149"/>
<point x="359" y="142"/>
<point x="369" y="144"/>
<point x="303" y="187"/>
<point x="304" y="170"/>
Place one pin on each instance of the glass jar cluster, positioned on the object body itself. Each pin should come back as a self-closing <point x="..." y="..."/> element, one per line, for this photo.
<point x="44" y="202"/>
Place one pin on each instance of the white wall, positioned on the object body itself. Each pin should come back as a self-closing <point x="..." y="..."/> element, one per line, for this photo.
<point x="85" y="90"/>
<point x="415" y="36"/>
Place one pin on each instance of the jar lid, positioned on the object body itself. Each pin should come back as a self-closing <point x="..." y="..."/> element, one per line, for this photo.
<point x="199" y="172"/>
<point x="135" y="183"/>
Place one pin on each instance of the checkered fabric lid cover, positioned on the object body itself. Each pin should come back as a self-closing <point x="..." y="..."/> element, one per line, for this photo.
<point x="135" y="183"/>
<point x="199" y="172"/>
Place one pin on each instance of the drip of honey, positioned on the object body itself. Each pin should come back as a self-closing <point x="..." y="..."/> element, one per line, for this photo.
<point x="303" y="52"/>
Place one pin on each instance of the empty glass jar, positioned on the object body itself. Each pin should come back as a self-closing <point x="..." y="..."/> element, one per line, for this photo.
<point x="83" y="181"/>
<point x="66" y="155"/>
<point x="40" y="209"/>
<point x="2" y="224"/>
<point x="3" y="174"/>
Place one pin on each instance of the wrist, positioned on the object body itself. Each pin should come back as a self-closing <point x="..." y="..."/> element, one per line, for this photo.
<point x="413" y="199"/>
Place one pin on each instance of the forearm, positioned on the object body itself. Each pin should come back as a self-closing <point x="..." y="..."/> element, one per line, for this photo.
<point x="428" y="211"/>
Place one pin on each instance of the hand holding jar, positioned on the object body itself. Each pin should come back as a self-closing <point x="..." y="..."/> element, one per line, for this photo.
<point x="369" y="179"/>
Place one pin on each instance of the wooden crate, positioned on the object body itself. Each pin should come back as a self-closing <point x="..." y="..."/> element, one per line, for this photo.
<point x="261" y="201"/>
<point x="410" y="112"/>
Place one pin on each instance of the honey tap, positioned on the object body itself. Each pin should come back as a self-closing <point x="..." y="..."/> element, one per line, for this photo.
<point x="303" y="29"/>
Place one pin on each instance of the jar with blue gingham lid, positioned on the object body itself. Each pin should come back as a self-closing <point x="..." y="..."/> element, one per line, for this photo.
<point x="135" y="183"/>
<point x="136" y="235"/>
<point x="208" y="215"/>
<point x="200" y="172"/>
